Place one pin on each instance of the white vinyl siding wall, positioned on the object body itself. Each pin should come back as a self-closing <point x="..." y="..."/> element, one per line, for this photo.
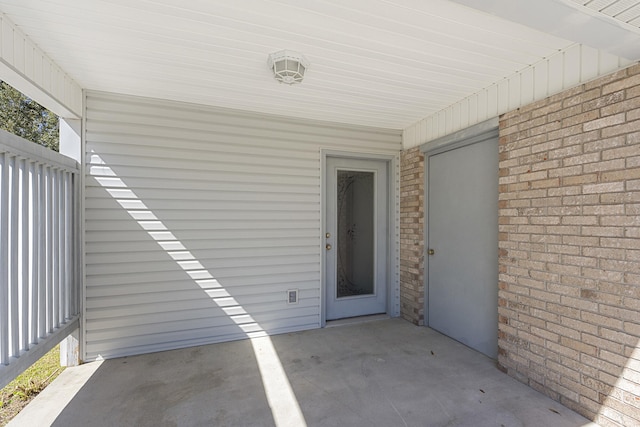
<point x="198" y="220"/>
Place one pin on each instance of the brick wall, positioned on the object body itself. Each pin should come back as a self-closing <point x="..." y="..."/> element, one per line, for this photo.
<point x="569" y="298"/>
<point x="412" y="236"/>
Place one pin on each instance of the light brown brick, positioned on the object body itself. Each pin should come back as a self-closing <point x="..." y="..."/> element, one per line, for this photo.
<point x="626" y="127"/>
<point x="613" y="187"/>
<point x="604" y="101"/>
<point x="574" y="285"/>
<point x="605" y="122"/>
<point x="621" y="84"/>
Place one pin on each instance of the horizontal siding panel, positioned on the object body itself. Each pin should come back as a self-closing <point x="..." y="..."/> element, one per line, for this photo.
<point x="233" y="197"/>
<point x="223" y="267"/>
<point x="233" y="144"/>
<point x="246" y="137"/>
<point x="175" y="322"/>
<point x="190" y="235"/>
<point x="241" y="290"/>
<point x="99" y="249"/>
<point x="204" y="202"/>
<point x="214" y="224"/>
<point x="269" y="211"/>
<point x="206" y="334"/>
<point x="215" y="176"/>
<point x="209" y="253"/>
<point x="133" y="280"/>
<point x="240" y="130"/>
<point x="196" y="306"/>
<point x="283" y="158"/>
<point x="272" y="194"/>
<point x="237" y="121"/>
<point x="221" y="273"/>
<point x="135" y="329"/>
<point x="120" y="162"/>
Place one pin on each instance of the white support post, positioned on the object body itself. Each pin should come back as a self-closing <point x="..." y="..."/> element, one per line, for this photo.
<point x="70" y="349"/>
<point x="70" y="142"/>
<point x="71" y="146"/>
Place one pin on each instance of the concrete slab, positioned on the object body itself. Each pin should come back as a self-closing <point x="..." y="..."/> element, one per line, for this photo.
<point x="381" y="373"/>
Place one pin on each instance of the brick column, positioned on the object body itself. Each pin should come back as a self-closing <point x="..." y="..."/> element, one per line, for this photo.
<point x="412" y="236"/>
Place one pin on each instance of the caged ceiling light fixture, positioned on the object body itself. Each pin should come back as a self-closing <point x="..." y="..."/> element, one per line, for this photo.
<point x="288" y="66"/>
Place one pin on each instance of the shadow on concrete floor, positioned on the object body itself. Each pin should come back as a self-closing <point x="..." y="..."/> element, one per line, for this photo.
<point x="382" y="373"/>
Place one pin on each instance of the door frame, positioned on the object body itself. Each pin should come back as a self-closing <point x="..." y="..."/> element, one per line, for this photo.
<point x="471" y="135"/>
<point x="393" y="226"/>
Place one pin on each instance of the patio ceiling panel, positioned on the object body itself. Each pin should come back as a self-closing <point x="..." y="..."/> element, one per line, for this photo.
<point x="610" y="25"/>
<point x="385" y="63"/>
<point x="627" y="11"/>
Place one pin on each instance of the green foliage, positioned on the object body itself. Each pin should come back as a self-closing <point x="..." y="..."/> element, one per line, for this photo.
<point x="26" y="118"/>
<point x="27" y="385"/>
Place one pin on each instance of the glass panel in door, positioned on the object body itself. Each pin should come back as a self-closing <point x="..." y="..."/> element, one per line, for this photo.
<point x="355" y="233"/>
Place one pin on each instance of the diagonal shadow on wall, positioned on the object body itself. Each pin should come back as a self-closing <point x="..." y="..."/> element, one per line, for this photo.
<point x="278" y="394"/>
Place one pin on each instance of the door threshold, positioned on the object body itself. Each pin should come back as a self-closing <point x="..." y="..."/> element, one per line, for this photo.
<point x="356" y="320"/>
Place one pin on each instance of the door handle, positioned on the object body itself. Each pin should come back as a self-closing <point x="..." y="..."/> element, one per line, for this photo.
<point x="431" y="251"/>
<point x="328" y="247"/>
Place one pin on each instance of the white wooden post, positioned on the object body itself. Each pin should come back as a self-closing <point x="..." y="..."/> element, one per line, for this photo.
<point x="71" y="146"/>
<point x="70" y="350"/>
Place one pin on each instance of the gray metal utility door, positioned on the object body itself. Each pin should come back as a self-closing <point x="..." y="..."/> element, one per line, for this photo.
<point x="462" y="254"/>
<point x="356" y="237"/>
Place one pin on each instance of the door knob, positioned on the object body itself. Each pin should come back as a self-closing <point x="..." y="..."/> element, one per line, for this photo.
<point x="431" y="251"/>
<point x="328" y="246"/>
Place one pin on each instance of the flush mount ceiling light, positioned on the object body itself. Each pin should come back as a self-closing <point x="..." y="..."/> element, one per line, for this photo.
<point x="288" y="66"/>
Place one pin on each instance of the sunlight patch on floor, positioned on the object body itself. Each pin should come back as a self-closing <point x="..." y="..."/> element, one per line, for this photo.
<point x="282" y="400"/>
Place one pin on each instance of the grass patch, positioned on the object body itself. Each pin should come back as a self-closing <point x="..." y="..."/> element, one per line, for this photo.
<point x="19" y="392"/>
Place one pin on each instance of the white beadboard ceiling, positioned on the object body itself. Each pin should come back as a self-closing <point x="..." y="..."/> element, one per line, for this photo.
<point x="386" y="63"/>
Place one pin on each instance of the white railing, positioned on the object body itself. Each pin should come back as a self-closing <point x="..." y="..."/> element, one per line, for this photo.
<point x="39" y="252"/>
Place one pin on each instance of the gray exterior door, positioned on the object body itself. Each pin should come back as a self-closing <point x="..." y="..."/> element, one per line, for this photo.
<point x="356" y="237"/>
<point x="462" y="253"/>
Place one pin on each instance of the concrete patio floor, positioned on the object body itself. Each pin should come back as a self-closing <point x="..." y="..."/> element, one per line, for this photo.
<point x="379" y="373"/>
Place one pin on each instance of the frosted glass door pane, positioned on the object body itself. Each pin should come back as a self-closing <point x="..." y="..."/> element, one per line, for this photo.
<point x="355" y="236"/>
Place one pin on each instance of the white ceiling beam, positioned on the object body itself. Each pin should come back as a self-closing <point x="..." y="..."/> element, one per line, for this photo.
<point x="569" y="20"/>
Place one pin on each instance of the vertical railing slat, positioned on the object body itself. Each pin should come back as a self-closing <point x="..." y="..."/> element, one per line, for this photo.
<point x="33" y="252"/>
<point x="49" y="251"/>
<point x="14" y="220"/>
<point x="24" y="255"/>
<point x="42" y="252"/>
<point x="4" y="260"/>
<point x="59" y="248"/>
<point x="77" y="242"/>
<point x="68" y="250"/>
<point x="54" y="252"/>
